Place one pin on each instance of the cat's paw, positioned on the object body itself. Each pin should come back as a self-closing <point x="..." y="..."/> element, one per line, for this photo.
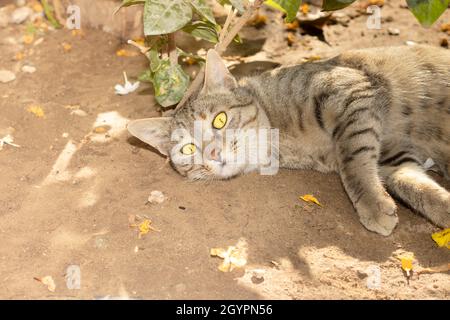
<point x="379" y="216"/>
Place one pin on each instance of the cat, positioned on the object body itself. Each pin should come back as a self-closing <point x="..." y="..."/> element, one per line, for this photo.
<point x="374" y="116"/>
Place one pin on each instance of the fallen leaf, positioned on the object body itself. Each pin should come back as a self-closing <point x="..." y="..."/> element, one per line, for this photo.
<point x="101" y="129"/>
<point x="445" y="27"/>
<point x="304" y="8"/>
<point x="310" y="198"/>
<point x="37" y="111"/>
<point x="8" y="139"/>
<point x="19" y="56"/>
<point x="144" y="227"/>
<point x="442" y="268"/>
<point x="49" y="282"/>
<point x="406" y="260"/>
<point x="291" y="38"/>
<point x="233" y="257"/>
<point x="77" y="33"/>
<point x="28" y="39"/>
<point x="66" y="46"/>
<point x="292" y="26"/>
<point x="126" y="53"/>
<point x="442" y="238"/>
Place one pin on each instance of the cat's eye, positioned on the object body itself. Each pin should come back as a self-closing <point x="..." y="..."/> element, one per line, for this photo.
<point x="220" y="120"/>
<point x="188" y="149"/>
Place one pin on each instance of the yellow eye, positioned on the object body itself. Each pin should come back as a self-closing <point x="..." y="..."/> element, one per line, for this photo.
<point x="188" y="149"/>
<point x="220" y="120"/>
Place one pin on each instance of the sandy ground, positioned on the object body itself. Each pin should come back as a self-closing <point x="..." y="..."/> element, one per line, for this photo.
<point x="66" y="200"/>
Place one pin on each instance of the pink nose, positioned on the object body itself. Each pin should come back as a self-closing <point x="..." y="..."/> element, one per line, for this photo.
<point x="215" y="155"/>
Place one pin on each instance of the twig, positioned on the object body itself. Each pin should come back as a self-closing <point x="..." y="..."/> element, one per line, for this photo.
<point x="172" y="48"/>
<point x="225" y="40"/>
<point x="230" y="17"/>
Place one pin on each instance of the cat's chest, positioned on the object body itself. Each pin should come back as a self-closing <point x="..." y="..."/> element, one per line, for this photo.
<point x="316" y="153"/>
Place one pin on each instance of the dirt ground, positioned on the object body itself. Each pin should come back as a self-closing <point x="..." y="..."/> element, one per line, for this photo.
<point x="67" y="193"/>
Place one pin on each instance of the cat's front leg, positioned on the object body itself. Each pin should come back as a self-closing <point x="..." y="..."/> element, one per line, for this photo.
<point x="357" y="139"/>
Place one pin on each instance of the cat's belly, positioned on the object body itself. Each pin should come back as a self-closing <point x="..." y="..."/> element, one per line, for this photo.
<point x="321" y="159"/>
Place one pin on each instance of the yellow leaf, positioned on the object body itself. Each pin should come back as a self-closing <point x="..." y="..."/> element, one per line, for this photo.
<point x="406" y="260"/>
<point x="442" y="238"/>
<point x="310" y="198"/>
<point x="28" y="39"/>
<point x="66" y="46"/>
<point x="19" y="56"/>
<point x="145" y="227"/>
<point x="126" y="53"/>
<point x="37" y="111"/>
<point x="304" y="8"/>
<point x="233" y="257"/>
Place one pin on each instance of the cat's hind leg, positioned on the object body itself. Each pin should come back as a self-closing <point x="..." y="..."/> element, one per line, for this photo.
<point x="410" y="183"/>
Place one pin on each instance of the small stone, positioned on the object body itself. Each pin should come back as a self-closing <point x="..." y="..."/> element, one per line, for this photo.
<point x="20" y="15"/>
<point x="28" y="69"/>
<point x="7" y="76"/>
<point x="444" y="43"/>
<point x="393" y="31"/>
<point x="79" y="112"/>
<point x="65" y="135"/>
<point x="156" y="197"/>
<point x="257" y="276"/>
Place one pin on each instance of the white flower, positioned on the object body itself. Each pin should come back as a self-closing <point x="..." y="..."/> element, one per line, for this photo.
<point x="8" y="139"/>
<point x="127" y="88"/>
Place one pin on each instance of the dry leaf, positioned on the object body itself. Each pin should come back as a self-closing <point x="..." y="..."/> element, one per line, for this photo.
<point x="445" y="27"/>
<point x="66" y="46"/>
<point x="310" y="198"/>
<point x="126" y="53"/>
<point x="145" y="227"/>
<point x="442" y="238"/>
<point x="19" y="56"/>
<point x="233" y="257"/>
<point x="443" y="268"/>
<point x="406" y="260"/>
<point x="292" y="26"/>
<point x="49" y="282"/>
<point x="37" y="111"/>
<point x="304" y="8"/>
<point x="28" y="39"/>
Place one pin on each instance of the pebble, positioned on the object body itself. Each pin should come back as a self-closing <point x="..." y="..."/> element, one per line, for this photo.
<point x="393" y="31"/>
<point x="156" y="197"/>
<point x="7" y="76"/>
<point x="79" y="112"/>
<point x="28" y="69"/>
<point x="20" y="15"/>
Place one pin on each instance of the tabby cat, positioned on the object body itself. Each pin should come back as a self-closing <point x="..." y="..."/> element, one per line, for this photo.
<point x="374" y="116"/>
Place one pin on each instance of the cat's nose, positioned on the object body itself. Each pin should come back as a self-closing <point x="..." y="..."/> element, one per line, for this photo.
<point x="215" y="154"/>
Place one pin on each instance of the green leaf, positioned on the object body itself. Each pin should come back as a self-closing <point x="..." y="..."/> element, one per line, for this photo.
<point x="146" y="76"/>
<point x="332" y="5"/>
<point x="170" y="83"/>
<point x="290" y="7"/>
<point x="163" y="16"/>
<point x="203" y="9"/>
<point x="237" y="4"/>
<point x="203" y="30"/>
<point x="427" y="11"/>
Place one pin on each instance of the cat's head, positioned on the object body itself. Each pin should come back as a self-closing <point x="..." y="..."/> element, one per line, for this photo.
<point x="205" y="139"/>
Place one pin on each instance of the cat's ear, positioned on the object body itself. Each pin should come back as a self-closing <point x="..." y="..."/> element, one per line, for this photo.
<point x="154" y="131"/>
<point x="216" y="74"/>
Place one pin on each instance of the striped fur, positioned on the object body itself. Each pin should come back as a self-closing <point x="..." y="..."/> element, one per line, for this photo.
<point x="374" y="116"/>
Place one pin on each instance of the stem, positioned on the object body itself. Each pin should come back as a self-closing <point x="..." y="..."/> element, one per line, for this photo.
<point x="225" y="39"/>
<point x="172" y="48"/>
